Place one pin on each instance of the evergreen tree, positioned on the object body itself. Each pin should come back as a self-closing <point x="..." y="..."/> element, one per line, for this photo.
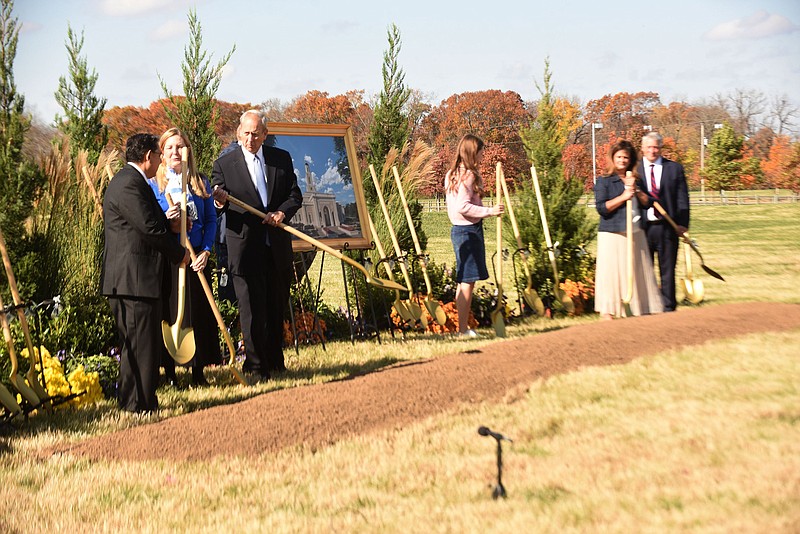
<point x="388" y="140"/>
<point x="390" y="128"/>
<point x="569" y="226"/>
<point x="83" y="111"/>
<point x="20" y="180"/>
<point x="724" y="165"/>
<point x="197" y="113"/>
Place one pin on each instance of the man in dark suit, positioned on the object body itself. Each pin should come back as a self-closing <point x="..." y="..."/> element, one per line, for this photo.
<point x="138" y="241"/>
<point x="666" y="182"/>
<point x="259" y="253"/>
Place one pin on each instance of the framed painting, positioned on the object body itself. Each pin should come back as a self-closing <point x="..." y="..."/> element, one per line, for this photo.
<point x="334" y="210"/>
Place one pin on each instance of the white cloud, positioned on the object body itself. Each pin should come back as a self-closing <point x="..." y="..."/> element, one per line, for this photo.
<point x="308" y="159"/>
<point x="758" y="25"/>
<point x="29" y="27"/>
<point x="121" y="8"/>
<point x="168" y="30"/>
<point x="331" y="177"/>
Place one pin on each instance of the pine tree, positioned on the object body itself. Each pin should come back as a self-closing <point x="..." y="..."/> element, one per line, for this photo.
<point x="197" y="114"/>
<point x="567" y="221"/>
<point x="724" y="165"/>
<point x="390" y="128"/>
<point x="83" y="111"/>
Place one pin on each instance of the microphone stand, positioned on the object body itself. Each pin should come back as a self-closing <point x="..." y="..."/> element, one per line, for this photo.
<point x="499" y="490"/>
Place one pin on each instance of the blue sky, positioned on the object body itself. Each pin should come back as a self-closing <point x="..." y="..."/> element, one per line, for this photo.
<point x="684" y="50"/>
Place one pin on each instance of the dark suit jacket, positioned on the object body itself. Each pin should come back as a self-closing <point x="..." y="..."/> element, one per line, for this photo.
<point x="245" y="233"/>
<point x="673" y="194"/>
<point x="137" y="239"/>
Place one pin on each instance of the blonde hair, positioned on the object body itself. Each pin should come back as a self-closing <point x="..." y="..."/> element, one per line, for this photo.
<point x="466" y="160"/>
<point x="194" y="178"/>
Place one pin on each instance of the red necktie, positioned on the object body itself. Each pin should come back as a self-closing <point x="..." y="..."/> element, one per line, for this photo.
<point x="654" y="187"/>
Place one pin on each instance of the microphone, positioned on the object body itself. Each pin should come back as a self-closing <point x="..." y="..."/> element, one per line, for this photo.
<point x="483" y="431"/>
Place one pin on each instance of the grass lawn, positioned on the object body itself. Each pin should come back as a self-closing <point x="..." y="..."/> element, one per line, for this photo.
<point x="705" y="439"/>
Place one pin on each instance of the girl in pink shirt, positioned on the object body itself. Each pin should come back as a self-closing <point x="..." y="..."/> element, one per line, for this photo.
<point x="463" y="187"/>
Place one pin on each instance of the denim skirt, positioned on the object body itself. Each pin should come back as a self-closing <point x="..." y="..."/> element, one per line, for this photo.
<point x="470" y="252"/>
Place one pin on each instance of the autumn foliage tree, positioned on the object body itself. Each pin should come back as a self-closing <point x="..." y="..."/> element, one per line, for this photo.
<point x="495" y="116"/>
<point x="349" y="108"/>
<point x="782" y="168"/>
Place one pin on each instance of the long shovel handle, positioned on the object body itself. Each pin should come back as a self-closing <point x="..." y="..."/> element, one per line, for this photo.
<point x="397" y="250"/>
<point x="218" y="316"/>
<point x="498" y="319"/>
<point x="626" y="301"/>
<point x="515" y="227"/>
<point x="687" y="240"/>
<point x="379" y="282"/>
<point x="410" y="221"/>
<point x="23" y="321"/>
<point x="215" y="309"/>
<point x="499" y="178"/>
<point x="561" y="297"/>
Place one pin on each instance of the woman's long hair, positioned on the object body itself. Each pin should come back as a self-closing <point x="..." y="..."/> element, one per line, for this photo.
<point x="633" y="157"/>
<point x="194" y="178"/>
<point x="466" y="160"/>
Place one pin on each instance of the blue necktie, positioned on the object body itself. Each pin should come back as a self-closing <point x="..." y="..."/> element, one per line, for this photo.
<point x="261" y="181"/>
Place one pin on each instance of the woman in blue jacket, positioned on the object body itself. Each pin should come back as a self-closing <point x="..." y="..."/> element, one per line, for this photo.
<point x="611" y="192"/>
<point x="203" y="215"/>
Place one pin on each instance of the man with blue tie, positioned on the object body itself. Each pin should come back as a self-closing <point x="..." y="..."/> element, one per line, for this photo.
<point x="666" y="182"/>
<point x="259" y="253"/>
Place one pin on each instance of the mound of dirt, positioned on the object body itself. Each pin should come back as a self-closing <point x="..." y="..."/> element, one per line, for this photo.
<point x="392" y="397"/>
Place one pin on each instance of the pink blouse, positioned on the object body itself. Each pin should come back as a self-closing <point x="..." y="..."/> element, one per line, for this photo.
<point x="464" y="205"/>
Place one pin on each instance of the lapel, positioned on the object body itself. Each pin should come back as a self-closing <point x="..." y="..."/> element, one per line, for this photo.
<point x="241" y="169"/>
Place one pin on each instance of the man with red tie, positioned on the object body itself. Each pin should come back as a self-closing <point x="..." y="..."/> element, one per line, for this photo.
<point x="666" y="182"/>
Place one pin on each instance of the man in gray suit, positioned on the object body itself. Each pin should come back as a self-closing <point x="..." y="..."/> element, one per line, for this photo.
<point x="138" y="241"/>
<point x="666" y="182"/>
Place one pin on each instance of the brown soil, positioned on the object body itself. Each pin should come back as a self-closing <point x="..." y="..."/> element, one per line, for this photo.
<point x="398" y="395"/>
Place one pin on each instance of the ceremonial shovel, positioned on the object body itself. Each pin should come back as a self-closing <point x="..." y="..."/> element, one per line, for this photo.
<point x="693" y="288"/>
<point x="16" y="380"/>
<point x="431" y="304"/>
<point x="498" y="321"/>
<point x="413" y="307"/>
<point x="217" y="315"/>
<point x="399" y="306"/>
<point x="561" y="297"/>
<point x="33" y="379"/>
<point x="686" y="239"/>
<point x="377" y="282"/>
<point x="178" y="340"/>
<point x="529" y="294"/>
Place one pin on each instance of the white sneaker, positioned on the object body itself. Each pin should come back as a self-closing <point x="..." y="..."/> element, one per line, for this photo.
<point x="469" y="334"/>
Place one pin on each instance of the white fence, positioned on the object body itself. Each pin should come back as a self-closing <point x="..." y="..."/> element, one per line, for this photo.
<point x="734" y="198"/>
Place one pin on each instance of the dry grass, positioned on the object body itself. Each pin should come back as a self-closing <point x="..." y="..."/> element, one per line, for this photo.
<point x="704" y="440"/>
<point x="701" y="440"/>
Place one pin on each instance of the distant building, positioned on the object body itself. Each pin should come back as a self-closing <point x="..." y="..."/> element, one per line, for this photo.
<point x="319" y="211"/>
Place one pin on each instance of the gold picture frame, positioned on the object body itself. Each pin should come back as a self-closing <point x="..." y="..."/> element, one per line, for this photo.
<point x="334" y="209"/>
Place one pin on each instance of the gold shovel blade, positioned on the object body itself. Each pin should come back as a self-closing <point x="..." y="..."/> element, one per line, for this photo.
<point x="533" y="300"/>
<point x="179" y="342"/>
<point x="435" y="310"/>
